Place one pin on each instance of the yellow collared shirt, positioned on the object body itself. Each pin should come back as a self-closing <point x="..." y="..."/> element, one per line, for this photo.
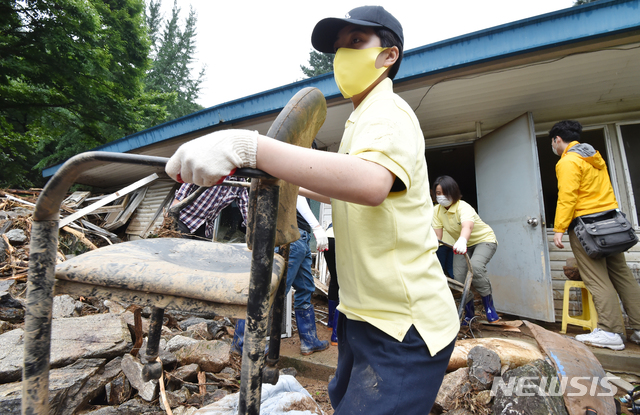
<point x="451" y="221"/>
<point x="390" y="276"/>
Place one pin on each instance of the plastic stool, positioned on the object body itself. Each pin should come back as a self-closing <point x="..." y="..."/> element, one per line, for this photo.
<point x="589" y="318"/>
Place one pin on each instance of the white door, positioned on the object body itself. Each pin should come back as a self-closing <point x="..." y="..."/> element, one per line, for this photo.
<point x="510" y="201"/>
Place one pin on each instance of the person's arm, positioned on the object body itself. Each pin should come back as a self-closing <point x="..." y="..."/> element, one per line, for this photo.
<point x="569" y="179"/>
<point x="322" y="243"/>
<point x="207" y="160"/>
<point x="314" y="196"/>
<point x="332" y="175"/>
<point x="439" y="233"/>
<point x="460" y="247"/>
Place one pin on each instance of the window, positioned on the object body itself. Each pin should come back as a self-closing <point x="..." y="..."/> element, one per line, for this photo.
<point x="631" y="141"/>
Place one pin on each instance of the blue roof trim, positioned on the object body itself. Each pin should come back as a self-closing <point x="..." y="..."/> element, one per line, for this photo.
<point x="574" y="24"/>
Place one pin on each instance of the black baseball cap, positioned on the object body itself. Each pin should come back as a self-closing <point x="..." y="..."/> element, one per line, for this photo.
<point x="326" y="31"/>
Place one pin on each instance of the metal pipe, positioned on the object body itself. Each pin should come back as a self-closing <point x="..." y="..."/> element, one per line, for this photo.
<point x="41" y="276"/>
<point x="270" y="372"/>
<point x="267" y="193"/>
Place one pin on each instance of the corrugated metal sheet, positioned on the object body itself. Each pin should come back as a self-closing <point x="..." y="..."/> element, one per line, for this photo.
<point x="157" y="193"/>
<point x="558" y="258"/>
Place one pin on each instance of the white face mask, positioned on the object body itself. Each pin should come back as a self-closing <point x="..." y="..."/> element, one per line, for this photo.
<point x="554" y="149"/>
<point x="443" y="200"/>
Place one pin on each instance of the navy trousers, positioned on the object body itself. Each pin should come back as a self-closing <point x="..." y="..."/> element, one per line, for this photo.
<point x="378" y="375"/>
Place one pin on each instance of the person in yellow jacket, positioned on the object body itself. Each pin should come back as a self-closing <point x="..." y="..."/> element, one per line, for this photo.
<point x="584" y="188"/>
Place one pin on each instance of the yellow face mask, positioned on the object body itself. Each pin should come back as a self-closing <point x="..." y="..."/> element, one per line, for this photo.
<point x="355" y="69"/>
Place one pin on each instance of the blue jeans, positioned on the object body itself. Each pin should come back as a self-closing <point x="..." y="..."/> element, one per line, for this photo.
<point x="445" y="256"/>
<point x="299" y="273"/>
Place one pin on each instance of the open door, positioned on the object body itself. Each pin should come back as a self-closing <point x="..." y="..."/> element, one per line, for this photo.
<point x="510" y="201"/>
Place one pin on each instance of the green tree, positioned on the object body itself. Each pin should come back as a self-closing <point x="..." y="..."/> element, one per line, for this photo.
<point x="319" y="63"/>
<point x="172" y="50"/>
<point x="71" y="78"/>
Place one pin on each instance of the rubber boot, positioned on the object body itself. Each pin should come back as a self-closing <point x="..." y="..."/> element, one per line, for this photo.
<point x="238" y="337"/>
<point x="332" y="311"/>
<point x="309" y="342"/>
<point x="469" y="313"/>
<point x="334" y="324"/>
<point x="489" y="309"/>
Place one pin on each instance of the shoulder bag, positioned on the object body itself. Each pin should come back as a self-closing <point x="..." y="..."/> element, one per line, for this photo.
<point x="605" y="233"/>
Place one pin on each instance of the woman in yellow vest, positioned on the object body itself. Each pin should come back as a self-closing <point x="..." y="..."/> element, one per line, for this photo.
<point x="461" y="221"/>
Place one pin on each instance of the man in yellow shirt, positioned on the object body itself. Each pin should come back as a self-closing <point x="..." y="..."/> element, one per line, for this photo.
<point x="584" y="188"/>
<point x="398" y="320"/>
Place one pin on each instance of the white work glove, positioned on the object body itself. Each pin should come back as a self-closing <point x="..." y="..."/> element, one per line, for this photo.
<point x="460" y="247"/>
<point x="207" y="160"/>
<point x="322" y="242"/>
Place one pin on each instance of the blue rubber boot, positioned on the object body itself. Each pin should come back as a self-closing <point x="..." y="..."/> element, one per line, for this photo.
<point x="334" y="333"/>
<point x="489" y="309"/>
<point x="309" y="342"/>
<point x="332" y="311"/>
<point x="469" y="313"/>
<point x="238" y="337"/>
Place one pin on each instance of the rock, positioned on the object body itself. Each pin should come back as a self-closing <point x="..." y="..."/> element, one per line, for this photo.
<point x="69" y="388"/>
<point x="22" y="211"/>
<point x="459" y="411"/>
<point x="114" y="307"/>
<point x="188" y="373"/>
<point x="178" y="342"/>
<point x="11" y="345"/>
<point x="137" y="406"/>
<point x="118" y="390"/>
<point x="199" y="331"/>
<point x="208" y="398"/>
<point x="169" y="360"/>
<point x="211" y="356"/>
<point x="182" y="410"/>
<point x="11" y="310"/>
<point x="132" y="369"/>
<point x="483" y="364"/>
<point x="454" y="384"/>
<point x="5" y="326"/>
<point x="291" y="371"/>
<point x="175" y="399"/>
<point x="105" y="410"/>
<point x="17" y="236"/>
<point x="65" y="306"/>
<point x="184" y="325"/>
<point x="484" y="397"/>
<point x="541" y="385"/>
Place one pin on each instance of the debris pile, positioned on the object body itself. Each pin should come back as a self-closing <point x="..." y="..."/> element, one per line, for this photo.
<point x="101" y="372"/>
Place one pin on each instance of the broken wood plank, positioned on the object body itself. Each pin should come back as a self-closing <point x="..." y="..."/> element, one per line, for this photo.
<point x="108" y="199"/>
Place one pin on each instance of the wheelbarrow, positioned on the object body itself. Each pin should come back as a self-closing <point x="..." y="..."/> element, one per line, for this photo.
<point x="458" y="286"/>
<point x="181" y="274"/>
